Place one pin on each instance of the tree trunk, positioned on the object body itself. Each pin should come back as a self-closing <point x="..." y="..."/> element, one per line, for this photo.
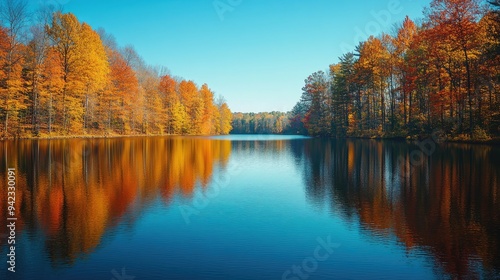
<point x="469" y="93"/>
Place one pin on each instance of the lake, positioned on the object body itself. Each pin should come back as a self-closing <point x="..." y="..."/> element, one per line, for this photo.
<point x="251" y="207"/>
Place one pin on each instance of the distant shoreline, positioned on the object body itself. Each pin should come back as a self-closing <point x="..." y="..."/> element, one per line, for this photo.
<point x="493" y="141"/>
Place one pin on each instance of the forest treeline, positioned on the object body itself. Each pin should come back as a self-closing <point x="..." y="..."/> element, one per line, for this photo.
<point x="261" y="123"/>
<point x="443" y="73"/>
<point x="58" y="76"/>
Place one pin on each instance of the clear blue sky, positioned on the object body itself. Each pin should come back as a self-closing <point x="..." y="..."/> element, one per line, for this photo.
<point x="257" y="53"/>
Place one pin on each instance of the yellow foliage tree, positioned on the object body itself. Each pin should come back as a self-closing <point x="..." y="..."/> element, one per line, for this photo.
<point x="209" y="108"/>
<point x="51" y="89"/>
<point x="91" y="69"/>
<point x="11" y="84"/>
<point x="225" y="119"/>
<point x="85" y="68"/>
<point x="180" y="119"/>
<point x="64" y="31"/>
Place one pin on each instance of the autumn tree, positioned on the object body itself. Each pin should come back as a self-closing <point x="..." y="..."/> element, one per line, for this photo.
<point x="51" y="90"/>
<point x="137" y="100"/>
<point x="404" y="68"/>
<point x="35" y="56"/>
<point x="296" y="118"/>
<point x="65" y="78"/>
<point x="118" y="98"/>
<point x="208" y="115"/>
<point x="63" y="31"/>
<point x="91" y="69"/>
<point x="193" y="102"/>
<point x="153" y="110"/>
<point x="441" y="74"/>
<point x="489" y="72"/>
<point x="342" y="89"/>
<point x="316" y="97"/>
<point x="372" y="62"/>
<point x="14" y="15"/>
<point x="36" y="53"/>
<point x="180" y="119"/>
<point x="167" y="88"/>
<point x="455" y="23"/>
<point x="223" y="117"/>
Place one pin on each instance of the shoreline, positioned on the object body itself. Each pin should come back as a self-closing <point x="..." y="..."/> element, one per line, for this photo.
<point x="493" y="141"/>
<point x="62" y="137"/>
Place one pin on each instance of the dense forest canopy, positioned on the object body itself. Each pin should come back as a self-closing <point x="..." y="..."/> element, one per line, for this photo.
<point x="442" y="74"/>
<point x="59" y="76"/>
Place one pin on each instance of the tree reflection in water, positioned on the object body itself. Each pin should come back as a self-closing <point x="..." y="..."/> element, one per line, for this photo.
<point x="448" y="206"/>
<point x="77" y="189"/>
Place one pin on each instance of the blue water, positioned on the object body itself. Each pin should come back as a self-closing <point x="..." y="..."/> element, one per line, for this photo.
<point x="260" y="207"/>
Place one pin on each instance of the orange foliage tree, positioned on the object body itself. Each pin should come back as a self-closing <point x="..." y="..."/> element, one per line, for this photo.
<point x="441" y="74"/>
<point x="69" y="79"/>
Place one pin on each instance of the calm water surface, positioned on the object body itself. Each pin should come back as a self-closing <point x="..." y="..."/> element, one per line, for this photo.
<point x="252" y="207"/>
